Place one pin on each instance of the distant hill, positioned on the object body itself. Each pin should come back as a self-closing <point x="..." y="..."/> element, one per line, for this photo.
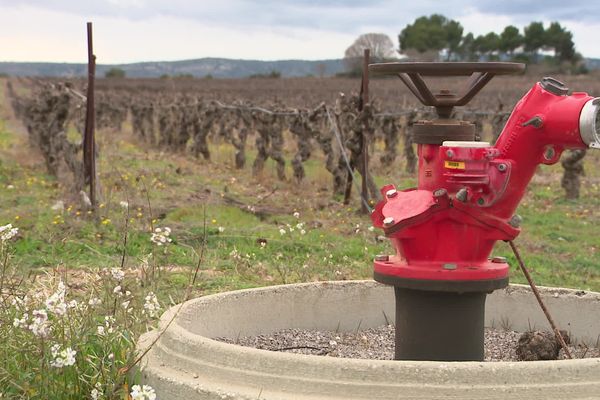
<point x="592" y="63"/>
<point x="215" y="67"/>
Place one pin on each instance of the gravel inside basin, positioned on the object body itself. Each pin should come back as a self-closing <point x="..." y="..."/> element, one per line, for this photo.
<point x="378" y="343"/>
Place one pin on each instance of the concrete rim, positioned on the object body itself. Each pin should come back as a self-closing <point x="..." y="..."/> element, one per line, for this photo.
<point x="185" y="360"/>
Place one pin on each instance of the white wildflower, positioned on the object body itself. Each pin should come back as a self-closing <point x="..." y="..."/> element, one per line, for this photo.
<point x="296" y="214"/>
<point x="7" y="232"/>
<point x="94" y="301"/>
<point x="221" y="229"/>
<point x="69" y="356"/>
<point x="371" y="228"/>
<point x="302" y="232"/>
<point x="40" y="326"/>
<point x="58" y="361"/>
<point x="151" y="305"/>
<point x="62" y="358"/>
<point x="100" y="330"/>
<point x="21" y="323"/>
<point x="235" y="254"/>
<point x="117" y="290"/>
<point x="109" y="322"/>
<point x="124" y="204"/>
<point x="96" y="392"/>
<point x="56" y="302"/>
<point x="117" y="274"/>
<point x="125" y="304"/>
<point x="144" y="392"/>
<point x="281" y="231"/>
<point x="161" y="236"/>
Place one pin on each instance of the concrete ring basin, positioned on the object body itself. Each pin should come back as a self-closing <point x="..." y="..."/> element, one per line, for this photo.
<point x="186" y="363"/>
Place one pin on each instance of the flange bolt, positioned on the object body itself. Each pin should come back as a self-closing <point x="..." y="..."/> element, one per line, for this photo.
<point x="391" y="193"/>
<point x="499" y="260"/>
<point x="515" y="221"/>
<point x="502" y="167"/>
<point x="440" y="192"/>
<point x="388" y="221"/>
<point x="461" y="195"/>
<point x="449" y="153"/>
<point x="549" y="153"/>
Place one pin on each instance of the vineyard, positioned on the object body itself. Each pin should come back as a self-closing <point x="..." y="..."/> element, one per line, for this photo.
<point x="288" y="121"/>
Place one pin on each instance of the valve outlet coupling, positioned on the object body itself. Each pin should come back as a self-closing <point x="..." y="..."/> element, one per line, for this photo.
<point x="589" y="123"/>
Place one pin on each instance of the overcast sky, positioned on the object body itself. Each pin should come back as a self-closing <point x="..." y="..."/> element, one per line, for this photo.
<point x="151" y="30"/>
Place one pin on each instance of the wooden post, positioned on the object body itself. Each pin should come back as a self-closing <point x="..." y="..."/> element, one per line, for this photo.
<point x="364" y="99"/>
<point x="89" y="140"/>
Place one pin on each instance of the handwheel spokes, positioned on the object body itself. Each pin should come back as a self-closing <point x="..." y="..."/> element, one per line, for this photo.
<point x="412" y="73"/>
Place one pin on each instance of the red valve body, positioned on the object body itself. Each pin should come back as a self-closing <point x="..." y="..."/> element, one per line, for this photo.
<point x="445" y="229"/>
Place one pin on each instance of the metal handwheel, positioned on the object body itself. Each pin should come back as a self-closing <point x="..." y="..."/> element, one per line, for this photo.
<point x="412" y="73"/>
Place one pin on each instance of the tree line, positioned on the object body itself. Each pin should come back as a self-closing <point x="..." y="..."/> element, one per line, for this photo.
<point x="436" y="37"/>
<point x="438" y="33"/>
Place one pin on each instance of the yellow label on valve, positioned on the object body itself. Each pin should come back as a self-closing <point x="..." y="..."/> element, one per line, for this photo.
<point x="454" y="164"/>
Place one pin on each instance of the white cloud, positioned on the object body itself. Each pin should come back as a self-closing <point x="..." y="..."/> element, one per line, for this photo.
<point x="480" y="24"/>
<point x="143" y="30"/>
<point x="30" y="34"/>
<point x="585" y="36"/>
<point x="120" y="40"/>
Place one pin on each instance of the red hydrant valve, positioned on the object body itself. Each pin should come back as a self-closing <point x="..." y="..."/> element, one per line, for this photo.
<point x="444" y="230"/>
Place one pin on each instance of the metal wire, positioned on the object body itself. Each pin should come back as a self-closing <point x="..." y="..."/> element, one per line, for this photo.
<point x="557" y="333"/>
